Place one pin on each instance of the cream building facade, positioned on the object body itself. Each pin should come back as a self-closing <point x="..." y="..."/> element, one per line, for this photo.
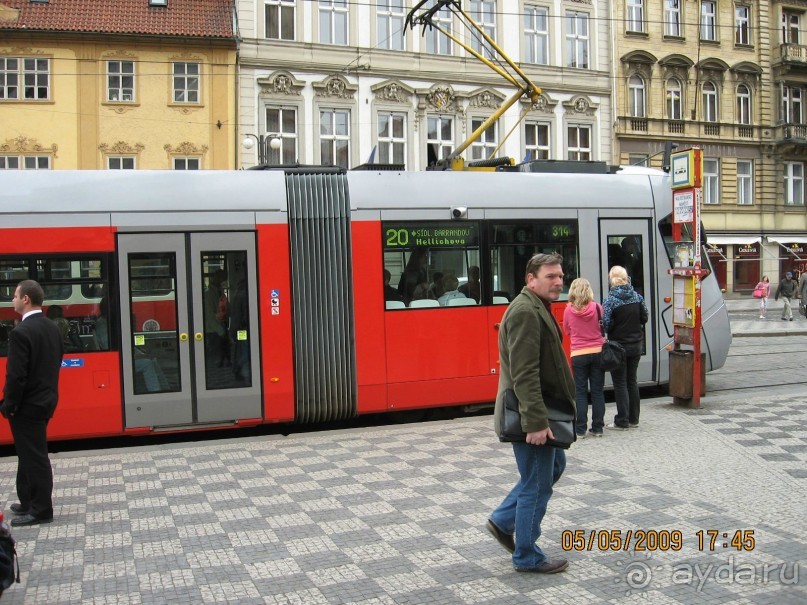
<point x="726" y="77"/>
<point x="134" y="84"/>
<point x="334" y="80"/>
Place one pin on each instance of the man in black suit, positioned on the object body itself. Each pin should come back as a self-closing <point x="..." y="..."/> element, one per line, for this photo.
<point x="30" y="396"/>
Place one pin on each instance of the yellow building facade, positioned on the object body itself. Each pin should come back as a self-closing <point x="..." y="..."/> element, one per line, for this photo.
<point x="708" y="73"/>
<point x="84" y="100"/>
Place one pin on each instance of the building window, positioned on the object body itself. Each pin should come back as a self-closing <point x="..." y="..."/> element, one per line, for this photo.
<point x="639" y="159"/>
<point x="281" y="122"/>
<point x="536" y="35"/>
<point x="790" y="28"/>
<point x="334" y="137"/>
<point x="672" y="18"/>
<point x="390" y="21"/>
<point x="579" y="143"/>
<point x="709" y="102"/>
<point x="120" y="163"/>
<point x="577" y="40"/>
<point x="635" y="15"/>
<point x="745" y="182"/>
<point x="25" y="162"/>
<point x="794" y="183"/>
<point x="186" y="82"/>
<point x="440" y="137"/>
<point x="742" y="23"/>
<point x="536" y="141"/>
<point x="333" y="17"/>
<point x="392" y="138"/>
<point x="743" y="104"/>
<point x="674" y="99"/>
<point x="709" y="20"/>
<point x="437" y="43"/>
<point x="187" y="164"/>
<point x="484" y="13"/>
<point x="711" y="181"/>
<point x="486" y="144"/>
<point x="279" y="16"/>
<point x="791" y="104"/>
<point x="636" y="97"/>
<point x="120" y="81"/>
<point x="33" y="73"/>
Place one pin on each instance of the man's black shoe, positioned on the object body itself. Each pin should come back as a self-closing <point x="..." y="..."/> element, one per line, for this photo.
<point x="19" y="509"/>
<point x="29" y="520"/>
<point x="548" y="566"/>
<point x="506" y="540"/>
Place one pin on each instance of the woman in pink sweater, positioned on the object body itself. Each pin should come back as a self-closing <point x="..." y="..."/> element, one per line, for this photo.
<point x="581" y="322"/>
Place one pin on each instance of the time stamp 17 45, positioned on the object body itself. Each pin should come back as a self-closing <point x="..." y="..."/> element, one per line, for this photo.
<point x="738" y="540"/>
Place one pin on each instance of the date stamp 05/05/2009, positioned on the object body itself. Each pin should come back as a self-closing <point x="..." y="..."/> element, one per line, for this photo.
<point x="740" y="540"/>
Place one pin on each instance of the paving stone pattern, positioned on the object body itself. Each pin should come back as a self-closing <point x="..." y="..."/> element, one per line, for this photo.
<point x="396" y="515"/>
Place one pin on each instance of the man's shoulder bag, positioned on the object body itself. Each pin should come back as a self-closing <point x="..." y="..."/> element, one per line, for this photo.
<point x="560" y="421"/>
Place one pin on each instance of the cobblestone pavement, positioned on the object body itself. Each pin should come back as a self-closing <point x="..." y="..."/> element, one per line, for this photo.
<point x="395" y="515"/>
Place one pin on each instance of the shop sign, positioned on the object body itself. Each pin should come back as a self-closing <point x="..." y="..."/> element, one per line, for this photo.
<point x="746" y="250"/>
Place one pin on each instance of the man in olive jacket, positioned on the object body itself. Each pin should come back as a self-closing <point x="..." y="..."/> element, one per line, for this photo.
<point x="534" y="365"/>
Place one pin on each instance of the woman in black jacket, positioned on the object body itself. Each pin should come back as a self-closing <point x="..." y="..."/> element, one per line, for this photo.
<point x="624" y="316"/>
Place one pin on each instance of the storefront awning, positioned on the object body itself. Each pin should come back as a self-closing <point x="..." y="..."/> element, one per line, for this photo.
<point x="794" y="245"/>
<point x="720" y="240"/>
<point x="789" y="238"/>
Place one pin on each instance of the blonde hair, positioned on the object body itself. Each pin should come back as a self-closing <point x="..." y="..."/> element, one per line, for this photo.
<point x="580" y="293"/>
<point x="617" y="276"/>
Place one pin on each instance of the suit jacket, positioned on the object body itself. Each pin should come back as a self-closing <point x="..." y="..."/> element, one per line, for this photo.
<point x="35" y="351"/>
<point x="532" y="362"/>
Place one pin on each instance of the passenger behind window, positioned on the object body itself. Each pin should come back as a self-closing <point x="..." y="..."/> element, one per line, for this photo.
<point x="72" y="342"/>
<point x="472" y="288"/>
<point x="433" y="290"/>
<point x="450" y="283"/>
<point x="102" y="326"/>
<point x="390" y="293"/>
<point x="414" y="274"/>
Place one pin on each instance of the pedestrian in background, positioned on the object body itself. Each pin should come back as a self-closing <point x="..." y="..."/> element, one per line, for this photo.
<point x="29" y="400"/>
<point x="534" y="365"/>
<point x="787" y="290"/>
<point x="803" y="293"/>
<point x="581" y="321"/>
<point x="624" y="315"/>
<point x="764" y="289"/>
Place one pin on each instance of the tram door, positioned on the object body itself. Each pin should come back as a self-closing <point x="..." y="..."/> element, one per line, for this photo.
<point x="189" y="326"/>
<point x="627" y="243"/>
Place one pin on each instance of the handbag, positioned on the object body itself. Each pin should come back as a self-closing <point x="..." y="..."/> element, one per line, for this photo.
<point x="759" y="293"/>
<point x="612" y="355"/>
<point x="560" y="421"/>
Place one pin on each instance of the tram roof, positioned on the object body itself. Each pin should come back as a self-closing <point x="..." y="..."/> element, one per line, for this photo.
<point x="155" y="191"/>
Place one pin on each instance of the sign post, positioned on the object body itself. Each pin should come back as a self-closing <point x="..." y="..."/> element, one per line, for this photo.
<point x="687" y="170"/>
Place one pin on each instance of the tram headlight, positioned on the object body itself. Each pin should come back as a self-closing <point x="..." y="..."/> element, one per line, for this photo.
<point x="459" y="212"/>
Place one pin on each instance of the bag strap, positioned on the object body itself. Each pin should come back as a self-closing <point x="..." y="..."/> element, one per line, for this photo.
<point x="599" y="318"/>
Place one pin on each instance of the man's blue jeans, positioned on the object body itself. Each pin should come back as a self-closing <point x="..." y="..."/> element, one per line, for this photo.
<point x="522" y="511"/>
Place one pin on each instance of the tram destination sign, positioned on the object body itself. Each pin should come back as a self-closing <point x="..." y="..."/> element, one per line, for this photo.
<point x="424" y="235"/>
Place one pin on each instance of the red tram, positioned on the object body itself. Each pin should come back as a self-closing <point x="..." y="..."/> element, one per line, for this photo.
<point x="194" y="300"/>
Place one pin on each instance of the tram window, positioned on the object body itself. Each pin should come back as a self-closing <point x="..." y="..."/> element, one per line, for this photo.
<point x="628" y="251"/>
<point x="74" y="296"/>
<point x="513" y="244"/>
<point x="436" y="261"/>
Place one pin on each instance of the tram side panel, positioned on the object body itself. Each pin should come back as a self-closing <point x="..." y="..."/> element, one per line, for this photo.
<point x="368" y="305"/>
<point x="275" y="302"/>
<point x="90" y="402"/>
